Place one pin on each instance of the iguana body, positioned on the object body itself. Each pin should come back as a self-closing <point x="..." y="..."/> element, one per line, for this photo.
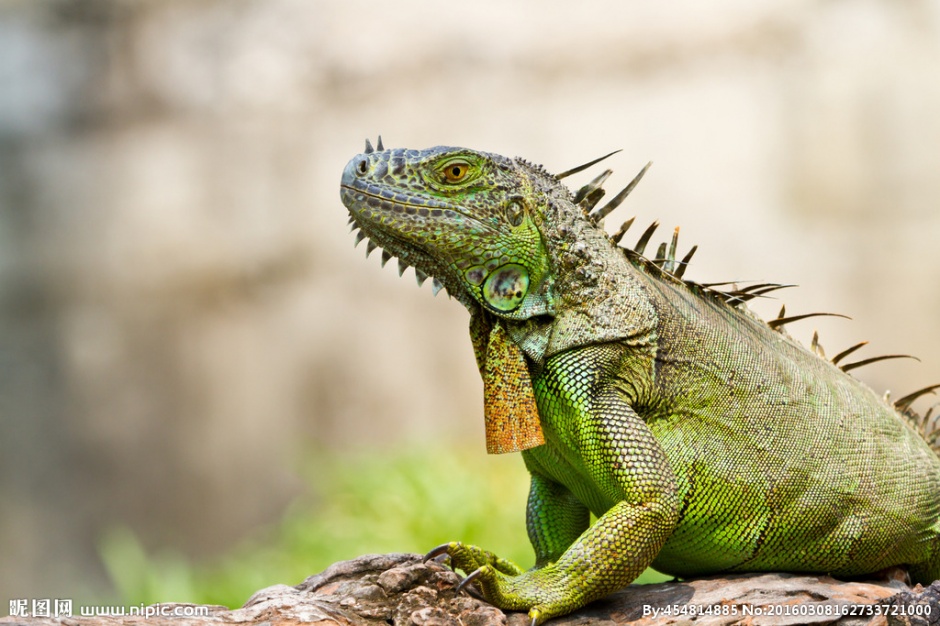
<point x="703" y="439"/>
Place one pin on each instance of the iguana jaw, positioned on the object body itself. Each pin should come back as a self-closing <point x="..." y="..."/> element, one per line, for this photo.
<point x="368" y="214"/>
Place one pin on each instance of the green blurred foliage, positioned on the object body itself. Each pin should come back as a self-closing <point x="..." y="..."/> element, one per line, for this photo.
<point x="358" y="504"/>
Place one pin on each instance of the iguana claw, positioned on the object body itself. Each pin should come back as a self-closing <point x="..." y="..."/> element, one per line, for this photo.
<point x="439" y="551"/>
<point x="466" y="581"/>
<point x="534" y="613"/>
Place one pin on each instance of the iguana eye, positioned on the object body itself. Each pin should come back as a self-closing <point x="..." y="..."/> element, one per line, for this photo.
<point x="456" y="171"/>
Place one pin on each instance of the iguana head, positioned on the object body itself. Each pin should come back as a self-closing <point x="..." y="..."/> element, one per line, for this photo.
<point x="509" y="241"/>
<point x="467" y="218"/>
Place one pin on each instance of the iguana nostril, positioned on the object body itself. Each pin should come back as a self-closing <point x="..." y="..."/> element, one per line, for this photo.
<point x="362" y="167"/>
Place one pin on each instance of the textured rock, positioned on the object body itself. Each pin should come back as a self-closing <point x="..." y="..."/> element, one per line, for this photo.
<point x="403" y="590"/>
<point x="921" y="607"/>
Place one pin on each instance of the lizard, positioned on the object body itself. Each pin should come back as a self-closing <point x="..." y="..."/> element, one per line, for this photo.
<point x="704" y="439"/>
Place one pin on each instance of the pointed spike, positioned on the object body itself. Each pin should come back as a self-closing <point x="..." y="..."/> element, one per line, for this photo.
<point x="591" y="186"/>
<point x="600" y="179"/>
<point x="783" y="312"/>
<point x="359" y="237"/>
<point x="436" y="286"/>
<point x="759" y="293"/>
<point x="764" y="287"/>
<point x="420" y="276"/>
<point x="816" y="346"/>
<point x="671" y="255"/>
<point x="684" y="263"/>
<point x="847" y="352"/>
<point x="713" y="285"/>
<point x="591" y="200"/>
<point x="780" y="321"/>
<point x="402" y="266"/>
<point x="378" y="144"/>
<point x="769" y="288"/>
<point x="740" y="297"/>
<point x="645" y="238"/>
<point x="731" y="296"/>
<point x="724" y="296"/>
<point x="386" y="257"/>
<point x="930" y="426"/>
<point x="580" y="168"/>
<point x="757" y="286"/>
<point x="660" y="253"/>
<point x="370" y="247"/>
<point x="369" y="148"/>
<point x="851" y="366"/>
<point x="755" y="291"/>
<point x="352" y="219"/>
<point x="902" y="404"/>
<point x="353" y="227"/>
<point x="605" y="210"/>
<point x="623" y="230"/>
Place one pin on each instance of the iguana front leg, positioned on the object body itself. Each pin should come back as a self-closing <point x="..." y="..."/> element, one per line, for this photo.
<point x="588" y="416"/>
<point x="555" y="518"/>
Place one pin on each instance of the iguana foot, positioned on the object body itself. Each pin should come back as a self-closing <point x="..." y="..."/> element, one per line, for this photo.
<point x="542" y="592"/>
<point x="469" y="558"/>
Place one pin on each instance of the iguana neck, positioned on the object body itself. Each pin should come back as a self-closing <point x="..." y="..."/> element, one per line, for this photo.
<point x="597" y="294"/>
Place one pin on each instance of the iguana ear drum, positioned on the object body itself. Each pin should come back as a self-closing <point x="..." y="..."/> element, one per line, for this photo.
<point x="505" y="288"/>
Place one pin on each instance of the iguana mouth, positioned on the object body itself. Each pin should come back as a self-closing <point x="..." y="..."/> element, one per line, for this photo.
<point x="400" y="203"/>
<point x="424" y="210"/>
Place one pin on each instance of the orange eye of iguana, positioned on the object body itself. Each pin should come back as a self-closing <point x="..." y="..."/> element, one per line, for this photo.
<point x="456" y="171"/>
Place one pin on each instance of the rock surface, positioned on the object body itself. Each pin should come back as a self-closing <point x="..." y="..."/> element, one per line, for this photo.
<point x="402" y="589"/>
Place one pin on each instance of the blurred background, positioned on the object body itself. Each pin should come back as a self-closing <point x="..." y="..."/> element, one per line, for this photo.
<point x="196" y="366"/>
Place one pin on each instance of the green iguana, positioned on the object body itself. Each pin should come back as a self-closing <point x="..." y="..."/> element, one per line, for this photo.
<point x="704" y="439"/>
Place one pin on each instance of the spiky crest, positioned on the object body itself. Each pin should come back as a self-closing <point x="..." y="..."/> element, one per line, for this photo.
<point x="665" y="267"/>
<point x="926" y="425"/>
<point x="902" y="404"/>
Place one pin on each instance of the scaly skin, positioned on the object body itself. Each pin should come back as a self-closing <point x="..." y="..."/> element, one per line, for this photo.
<point x="703" y="439"/>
